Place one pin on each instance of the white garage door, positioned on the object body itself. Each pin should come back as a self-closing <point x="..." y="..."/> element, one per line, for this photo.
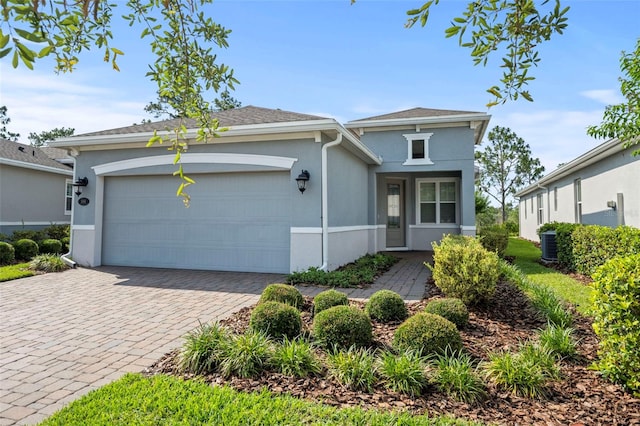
<point x="236" y="222"/>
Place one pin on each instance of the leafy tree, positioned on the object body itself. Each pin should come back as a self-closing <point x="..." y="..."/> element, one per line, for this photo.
<point x="506" y="166"/>
<point x="226" y="102"/>
<point x="162" y="106"/>
<point x="622" y="121"/>
<point x="482" y="203"/>
<point x="4" y="121"/>
<point x="43" y="138"/>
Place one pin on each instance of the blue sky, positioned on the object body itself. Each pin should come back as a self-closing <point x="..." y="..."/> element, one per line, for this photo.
<point x="352" y="61"/>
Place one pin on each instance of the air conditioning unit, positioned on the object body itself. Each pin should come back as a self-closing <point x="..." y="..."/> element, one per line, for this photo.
<point x="549" y="246"/>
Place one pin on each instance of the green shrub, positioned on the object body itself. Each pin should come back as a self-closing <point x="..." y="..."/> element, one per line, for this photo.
<point x="328" y="299"/>
<point x="56" y="232"/>
<point x="386" y="306"/>
<point x="50" y="246"/>
<point x="25" y="249"/>
<point x="7" y="253"/>
<point x="404" y="373"/>
<point x="495" y="239"/>
<point x="526" y="373"/>
<point x="464" y="269"/>
<point x="276" y="320"/>
<point x="282" y="293"/>
<point x="450" y="308"/>
<point x="295" y="358"/>
<point x="65" y="244"/>
<point x="27" y="234"/>
<point x="593" y="245"/>
<point x="47" y="263"/>
<point x="549" y="226"/>
<point x="353" y="368"/>
<point x="559" y="341"/>
<point x="564" y="244"/>
<point x="616" y="311"/>
<point x="246" y="355"/>
<point x="342" y="326"/>
<point x="427" y="333"/>
<point x="204" y="348"/>
<point x="455" y="375"/>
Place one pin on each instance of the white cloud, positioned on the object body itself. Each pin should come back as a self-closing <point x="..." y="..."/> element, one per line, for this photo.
<point x="605" y="96"/>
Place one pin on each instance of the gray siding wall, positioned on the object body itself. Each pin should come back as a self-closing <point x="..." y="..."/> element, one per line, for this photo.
<point x="31" y="196"/>
<point x="600" y="183"/>
<point x="348" y="188"/>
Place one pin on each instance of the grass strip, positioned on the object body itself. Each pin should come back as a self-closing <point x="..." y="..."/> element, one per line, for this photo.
<point x="566" y="288"/>
<point x="166" y="400"/>
<point x="13" y="272"/>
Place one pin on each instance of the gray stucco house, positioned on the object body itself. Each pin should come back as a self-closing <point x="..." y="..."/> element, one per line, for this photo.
<point x="392" y="182"/>
<point x="35" y="190"/>
<point x="600" y="187"/>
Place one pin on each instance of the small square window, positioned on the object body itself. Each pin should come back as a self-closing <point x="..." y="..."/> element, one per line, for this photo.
<point x="417" y="149"/>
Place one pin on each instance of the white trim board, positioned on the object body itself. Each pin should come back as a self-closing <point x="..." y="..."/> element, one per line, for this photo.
<point x="38" y="167"/>
<point x="46" y="223"/>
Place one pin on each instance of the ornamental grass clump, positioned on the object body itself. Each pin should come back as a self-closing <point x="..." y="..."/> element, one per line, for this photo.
<point x="283" y="293"/>
<point x="295" y="358"/>
<point x="47" y="263"/>
<point x="343" y="327"/>
<point x="464" y="269"/>
<point x="247" y="355"/>
<point x="450" y="308"/>
<point x="203" y="348"/>
<point x="276" y="320"/>
<point x="328" y="299"/>
<point x="403" y="373"/>
<point x="386" y="306"/>
<point x="427" y="334"/>
<point x="354" y="368"/>
<point x="455" y="374"/>
<point x="559" y="340"/>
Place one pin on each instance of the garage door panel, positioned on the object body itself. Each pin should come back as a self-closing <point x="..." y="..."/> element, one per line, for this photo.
<point x="236" y="222"/>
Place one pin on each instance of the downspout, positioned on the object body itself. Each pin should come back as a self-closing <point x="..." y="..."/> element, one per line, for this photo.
<point x="65" y="257"/>
<point x="325" y="206"/>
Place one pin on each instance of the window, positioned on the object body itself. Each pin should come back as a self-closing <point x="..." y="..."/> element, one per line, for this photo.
<point x="68" y="197"/>
<point x="417" y="149"/>
<point x="532" y="204"/>
<point x="577" y="189"/>
<point x="555" y="198"/>
<point x="540" y="209"/>
<point x="437" y="201"/>
<point x="525" y="208"/>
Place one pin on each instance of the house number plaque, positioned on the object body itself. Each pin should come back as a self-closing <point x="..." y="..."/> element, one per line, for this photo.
<point x="83" y="201"/>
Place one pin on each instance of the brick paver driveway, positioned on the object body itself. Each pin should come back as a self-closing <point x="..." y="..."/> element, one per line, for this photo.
<point x="64" y="334"/>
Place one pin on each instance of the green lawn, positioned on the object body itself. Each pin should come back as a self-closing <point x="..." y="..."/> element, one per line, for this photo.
<point x="165" y="400"/>
<point x="13" y="272"/>
<point x="565" y="287"/>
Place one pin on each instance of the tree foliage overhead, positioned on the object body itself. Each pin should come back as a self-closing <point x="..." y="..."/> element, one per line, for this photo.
<point x="622" y="121"/>
<point x="511" y="28"/>
<point x="43" y="138"/>
<point x="506" y="166"/>
<point x="4" y="121"/>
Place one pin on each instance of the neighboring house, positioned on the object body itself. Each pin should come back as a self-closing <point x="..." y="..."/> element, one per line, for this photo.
<point x="393" y="182"/>
<point x="601" y="187"/>
<point x="35" y="190"/>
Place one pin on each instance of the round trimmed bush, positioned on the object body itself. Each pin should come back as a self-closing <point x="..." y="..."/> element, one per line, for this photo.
<point x="26" y="249"/>
<point x="450" y="308"/>
<point x="50" y="246"/>
<point x="386" y="306"/>
<point x="276" y="319"/>
<point x="342" y="326"/>
<point x="7" y="253"/>
<point x="427" y="333"/>
<point x="283" y="293"/>
<point x="65" y="243"/>
<point x="328" y="299"/>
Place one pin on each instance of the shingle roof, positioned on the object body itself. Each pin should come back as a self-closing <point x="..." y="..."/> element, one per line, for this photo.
<point x="246" y="115"/>
<point x="56" y="153"/>
<point x="27" y="154"/>
<point x="416" y="113"/>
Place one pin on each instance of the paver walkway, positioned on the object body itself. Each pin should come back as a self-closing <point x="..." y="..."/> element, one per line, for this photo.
<point x="64" y="334"/>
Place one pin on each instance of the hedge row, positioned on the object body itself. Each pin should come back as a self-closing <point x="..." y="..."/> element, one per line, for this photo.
<point x="26" y="249"/>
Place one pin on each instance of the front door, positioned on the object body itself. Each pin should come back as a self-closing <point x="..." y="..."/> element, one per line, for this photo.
<point x="395" y="213"/>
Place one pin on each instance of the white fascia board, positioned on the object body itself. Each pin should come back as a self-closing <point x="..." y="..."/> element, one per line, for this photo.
<point x="418" y="120"/>
<point x="369" y="155"/>
<point x="590" y="157"/>
<point x="38" y="167"/>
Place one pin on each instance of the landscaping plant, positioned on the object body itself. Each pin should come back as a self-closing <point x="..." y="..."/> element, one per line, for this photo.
<point x="276" y="320"/>
<point x="203" y="348"/>
<point x="455" y="375"/>
<point x="342" y="326"/>
<point x="328" y="299"/>
<point x="48" y="263"/>
<point x="386" y="306"/>
<point x="7" y="253"/>
<point x="494" y="238"/>
<point x="427" y="334"/>
<point x="295" y="358"/>
<point x="403" y="373"/>
<point x="26" y="249"/>
<point x="450" y="308"/>
<point x="353" y="367"/>
<point x="247" y="355"/>
<point x="283" y="293"/>
<point x="50" y="246"/>
<point x="559" y="340"/>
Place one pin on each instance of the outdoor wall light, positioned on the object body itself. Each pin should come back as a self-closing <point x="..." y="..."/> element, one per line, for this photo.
<point x="611" y="204"/>
<point x="302" y="181"/>
<point x="78" y="184"/>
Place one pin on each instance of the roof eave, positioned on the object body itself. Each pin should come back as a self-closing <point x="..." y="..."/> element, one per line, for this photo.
<point x="33" y="166"/>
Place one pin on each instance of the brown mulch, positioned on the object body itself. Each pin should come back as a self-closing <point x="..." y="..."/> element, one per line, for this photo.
<point x="582" y="397"/>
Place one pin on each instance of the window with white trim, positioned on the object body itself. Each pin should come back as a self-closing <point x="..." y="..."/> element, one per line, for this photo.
<point x="555" y="199"/>
<point x="577" y="189"/>
<point x="525" y="208"/>
<point x="437" y="201"/>
<point x="540" y="209"/>
<point x="418" y="148"/>
<point x="68" y="196"/>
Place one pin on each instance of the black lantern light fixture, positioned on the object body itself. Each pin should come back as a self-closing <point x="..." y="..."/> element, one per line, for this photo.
<point x="78" y="184"/>
<point x="302" y="179"/>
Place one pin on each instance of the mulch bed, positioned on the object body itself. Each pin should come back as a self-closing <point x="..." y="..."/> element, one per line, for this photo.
<point x="582" y="397"/>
